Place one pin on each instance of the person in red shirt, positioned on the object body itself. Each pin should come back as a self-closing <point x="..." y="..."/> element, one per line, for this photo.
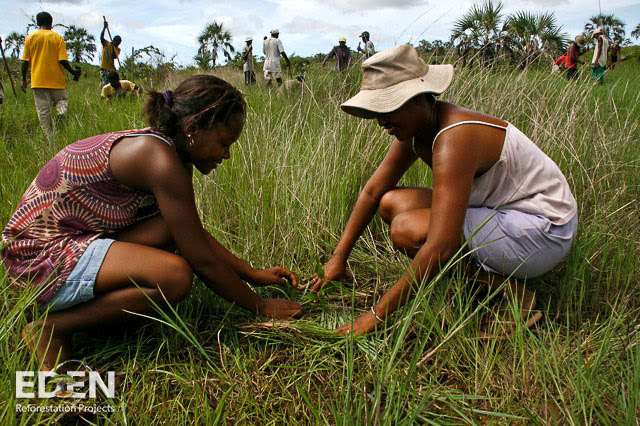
<point x="573" y="53"/>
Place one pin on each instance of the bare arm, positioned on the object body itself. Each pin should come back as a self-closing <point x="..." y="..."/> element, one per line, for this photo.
<point x="397" y="161"/>
<point x="102" y="39"/>
<point x="25" y="71"/>
<point x="149" y="164"/>
<point x="454" y="165"/>
<point x="284" y="55"/>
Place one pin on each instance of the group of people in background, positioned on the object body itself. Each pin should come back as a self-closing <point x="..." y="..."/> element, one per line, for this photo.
<point x="45" y="56"/>
<point x="605" y="55"/>
<point x="273" y="49"/>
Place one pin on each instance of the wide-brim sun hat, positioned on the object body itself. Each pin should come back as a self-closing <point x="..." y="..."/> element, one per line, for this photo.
<point x="597" y="31"/>
<point x="393" y="76"/>
<point x="580" y="40"/>
<point x="248" y="39"/>
<point x="275" y="31"/>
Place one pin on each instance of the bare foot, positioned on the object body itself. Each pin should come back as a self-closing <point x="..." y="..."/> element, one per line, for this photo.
<point x="51" y="349"/>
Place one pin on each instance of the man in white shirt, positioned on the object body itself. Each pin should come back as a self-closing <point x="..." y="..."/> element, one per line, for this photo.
<point x="272" y="48"/>
<point x="599" y="61"/>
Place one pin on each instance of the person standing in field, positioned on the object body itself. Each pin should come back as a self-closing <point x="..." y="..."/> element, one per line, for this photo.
<point x="97" y="230"/>
<point x="342" y="53"/>
<point x="46" y="54"/>
<point x="491" y="186"/>
<point x="369" y="50"/>
<point x="110" y="51"/>
<point x="599" y="61"/>
<point x="273" y="49"/>
<point x="117" y="87"/>
<point x="573" y="53"/>
<point x="613" y="54"/>
<point x="248" y="63"/>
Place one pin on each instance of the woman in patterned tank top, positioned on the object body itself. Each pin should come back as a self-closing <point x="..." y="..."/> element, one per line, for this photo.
<point x="78" y="237"/>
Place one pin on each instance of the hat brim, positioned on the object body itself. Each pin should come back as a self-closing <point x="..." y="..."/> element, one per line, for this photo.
<point x="369" y="103"/>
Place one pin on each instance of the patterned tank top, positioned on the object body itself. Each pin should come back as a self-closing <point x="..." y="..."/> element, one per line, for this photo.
<point x="74" y="200"/>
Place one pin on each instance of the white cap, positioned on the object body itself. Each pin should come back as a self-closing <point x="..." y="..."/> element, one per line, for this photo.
<point x="248" y="39"/>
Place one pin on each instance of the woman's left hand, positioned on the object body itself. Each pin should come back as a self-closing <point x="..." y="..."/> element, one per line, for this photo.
<point x="362" y="325"/>
<point x="273" y="276"/>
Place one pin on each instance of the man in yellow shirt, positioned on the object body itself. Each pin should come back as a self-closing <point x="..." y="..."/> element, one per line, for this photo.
<point x="110" y="51"/>
<point x="46" y="53"/>
<point x="117" y="87"/>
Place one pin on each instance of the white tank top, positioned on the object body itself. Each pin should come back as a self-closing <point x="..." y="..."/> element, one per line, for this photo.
<point x="523" y="179"/>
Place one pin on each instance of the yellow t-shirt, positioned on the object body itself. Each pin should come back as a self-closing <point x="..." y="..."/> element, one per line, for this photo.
<point x="125" y="87"/>
<point x="108" y="56"/>
<point x="43" y="49"/>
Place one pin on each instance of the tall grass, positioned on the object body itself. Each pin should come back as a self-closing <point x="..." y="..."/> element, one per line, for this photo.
<point x="284" y="197"/>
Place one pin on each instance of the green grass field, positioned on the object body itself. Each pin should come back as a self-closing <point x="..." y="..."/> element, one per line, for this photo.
<point x="284" y="198"/>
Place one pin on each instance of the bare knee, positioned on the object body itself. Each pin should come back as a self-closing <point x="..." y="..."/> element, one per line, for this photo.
<point x="177" y="280"/>
<point x="387" y="204"/>
<point x="406" y="236"/>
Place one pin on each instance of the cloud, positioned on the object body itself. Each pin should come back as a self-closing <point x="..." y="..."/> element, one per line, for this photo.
<point x="374" y="5"/>
<point x="44" y="3"/>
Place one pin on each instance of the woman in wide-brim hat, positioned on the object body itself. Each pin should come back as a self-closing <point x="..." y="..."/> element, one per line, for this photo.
<point x="491" y="185"/>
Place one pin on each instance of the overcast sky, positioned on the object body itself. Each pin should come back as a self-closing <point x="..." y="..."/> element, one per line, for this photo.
<point x="306" y="26"/>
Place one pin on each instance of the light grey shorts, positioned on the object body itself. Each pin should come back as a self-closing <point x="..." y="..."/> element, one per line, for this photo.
<point x="78" y="287"/>
<point x="514" y="243"/>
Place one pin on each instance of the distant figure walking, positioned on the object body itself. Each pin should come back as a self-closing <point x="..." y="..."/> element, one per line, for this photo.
<point x="110" y="51"/>
<point x="273" y="48"/>
<point x="248" y="66"/>
<point x="599" y="61"/>
<point x="573" y="53"/>
<point x="342" y="53"/>
<point x="369" y="50"/>
<point x="46" y="54"/>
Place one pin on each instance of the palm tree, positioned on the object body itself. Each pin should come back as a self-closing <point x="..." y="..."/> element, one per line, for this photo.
<point x="80" y="44"/>
<point x="479" y="28"/>
<point x="14" y="41"/>
<point x="216" y="38"/>
<point x="533" y="34"/>
<point x="636" y="32"/>
<point x="612" y="26"/>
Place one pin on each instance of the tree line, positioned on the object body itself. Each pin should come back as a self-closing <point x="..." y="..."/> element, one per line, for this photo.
<point x="484" y="34"/>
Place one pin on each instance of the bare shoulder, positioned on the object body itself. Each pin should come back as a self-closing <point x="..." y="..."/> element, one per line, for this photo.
<point x="450" y="113"/>
<point x="138" y="160"/>
<point x="473" y="146"/>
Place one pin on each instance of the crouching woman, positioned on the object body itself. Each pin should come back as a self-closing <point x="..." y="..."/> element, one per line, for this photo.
<point x="108" y="211"/>
<point x="492" y="186"/>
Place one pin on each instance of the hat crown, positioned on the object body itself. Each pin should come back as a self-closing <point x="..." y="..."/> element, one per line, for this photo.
<point x="392" y="66"/>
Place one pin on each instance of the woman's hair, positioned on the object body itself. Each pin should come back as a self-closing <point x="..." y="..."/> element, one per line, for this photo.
<point x="204" y="101"/>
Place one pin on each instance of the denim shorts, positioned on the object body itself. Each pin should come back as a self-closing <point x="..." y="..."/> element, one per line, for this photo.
<point x="78" y="287"/>
<point x="512" y="243"/>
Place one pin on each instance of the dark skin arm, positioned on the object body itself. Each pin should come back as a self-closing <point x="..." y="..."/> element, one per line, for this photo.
<point x="102" y="39"/>
<point x="284" y="55"/>
<point x="397" y="161"/>
<point x="25" y="71"/>
<point x="455" y="162"/>
<point x="148" y="164"/>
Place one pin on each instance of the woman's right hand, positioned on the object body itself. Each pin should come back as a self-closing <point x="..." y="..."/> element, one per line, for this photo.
<point x="334" y="270"/>
<point x="280" y="309"/>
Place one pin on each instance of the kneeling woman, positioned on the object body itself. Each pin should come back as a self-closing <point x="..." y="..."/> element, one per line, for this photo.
<point x="79" y="235"/>
<point x="484" y="170"/>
